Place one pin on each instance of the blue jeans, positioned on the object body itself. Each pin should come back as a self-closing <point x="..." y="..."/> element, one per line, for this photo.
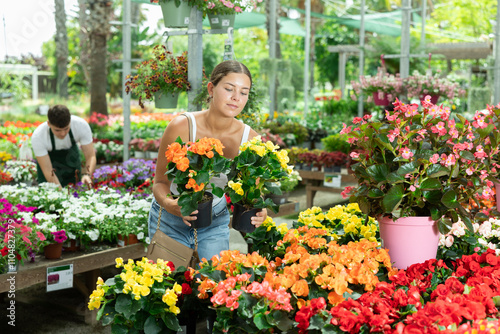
<point x="211" y="240"/>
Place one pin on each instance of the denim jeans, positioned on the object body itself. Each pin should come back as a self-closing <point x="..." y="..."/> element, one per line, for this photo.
<point x="211" y="240"/>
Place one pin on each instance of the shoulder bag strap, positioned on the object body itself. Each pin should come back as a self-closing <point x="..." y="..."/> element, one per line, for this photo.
<point x="191" y="130"/>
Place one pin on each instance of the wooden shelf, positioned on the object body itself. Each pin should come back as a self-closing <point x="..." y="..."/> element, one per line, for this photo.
<point x="285" y="209"/>
<point x="33" y="273"/>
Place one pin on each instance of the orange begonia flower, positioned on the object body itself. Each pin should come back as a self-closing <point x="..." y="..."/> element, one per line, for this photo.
<point x="193" y="185"/>
<point x="300" y="288"/>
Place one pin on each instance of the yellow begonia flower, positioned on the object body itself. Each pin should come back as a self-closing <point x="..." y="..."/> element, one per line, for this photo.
<point x="283" y="228"/>
<point x="236" y="186"/>
<point x="169" y="297"/>
<point x="260" y="150"/>
<point x="283" y="158"/>
<point x="177" y="288"/>
<point x="119" y="262"/>
<point x="174" y="309"/>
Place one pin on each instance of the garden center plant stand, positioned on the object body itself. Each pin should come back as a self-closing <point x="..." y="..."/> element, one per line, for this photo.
<point x="88" y="264"/>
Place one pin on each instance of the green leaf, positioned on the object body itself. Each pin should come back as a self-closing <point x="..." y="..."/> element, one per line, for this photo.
<point x="124" y="305"/>
<point x="260" y="321"/>
<point x="393" y="198"/>
<point x="375" y="192"/>
<point x="437" y="170"/>
<point x="171" y="321"/>
<point x="151" y="326"/>
<point x="281" y="320"/>
<point x="408" y="168"/>
<point x="432" y="196"/>
<point x="450" y="199"/>
<point x="430" y="184"/>
<point x="119" y="329"/>
<point x="378" y="172"/>
<point x="395" y="178"/>
<point x="444" y="225"/>
<point x="108" y="314"/>
<point x="187" y="204"/>
<point x="467" y="155"/>
<point x="468" y="223"/>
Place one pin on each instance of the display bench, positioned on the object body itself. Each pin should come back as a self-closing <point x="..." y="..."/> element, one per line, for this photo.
<point x="88" y="264"/>
<point x="314" y="182"/>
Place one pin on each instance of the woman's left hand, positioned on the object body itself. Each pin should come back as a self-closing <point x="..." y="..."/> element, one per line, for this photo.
<point x="259" y="218"/>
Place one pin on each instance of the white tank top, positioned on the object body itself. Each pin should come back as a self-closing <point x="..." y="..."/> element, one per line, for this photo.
<point x="220" y="181"/>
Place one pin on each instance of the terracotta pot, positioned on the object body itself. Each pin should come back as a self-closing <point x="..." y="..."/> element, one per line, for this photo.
<point x="127" y="240"/>
<point x="71" y="245"/>
<point x="409" y="240"/>
<point x="53" y="251"/>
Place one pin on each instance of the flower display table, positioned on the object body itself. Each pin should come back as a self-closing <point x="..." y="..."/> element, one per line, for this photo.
<point x="88" y="264"/>
<point x="314" y="183"/>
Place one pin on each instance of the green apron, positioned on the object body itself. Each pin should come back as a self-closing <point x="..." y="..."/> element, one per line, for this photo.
<point x="66" y="163"/>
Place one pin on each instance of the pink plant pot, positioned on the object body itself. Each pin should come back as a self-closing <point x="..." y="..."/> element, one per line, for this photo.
<point x="409" y="240"/>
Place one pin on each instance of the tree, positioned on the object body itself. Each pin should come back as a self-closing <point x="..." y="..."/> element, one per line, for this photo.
<point x="99" y="30"/>
<point x="61" y="49"/>
<point x="84" y="40"/>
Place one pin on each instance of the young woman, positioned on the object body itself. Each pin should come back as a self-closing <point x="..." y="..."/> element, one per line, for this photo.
<point x="228" y="91"/>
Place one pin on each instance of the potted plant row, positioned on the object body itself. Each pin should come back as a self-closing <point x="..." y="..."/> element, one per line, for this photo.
<point x="383" y="88"/>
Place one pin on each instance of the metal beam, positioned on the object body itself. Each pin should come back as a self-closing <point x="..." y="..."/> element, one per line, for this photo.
<point x="307" y="48"/>
<point x="126" y="70"/>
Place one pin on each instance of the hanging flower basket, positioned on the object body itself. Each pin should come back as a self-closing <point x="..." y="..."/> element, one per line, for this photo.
<point x="166" y="100"/>
<point x="176" y="16"/>
<point x="381" y="99"/>
<point x="221" y="21"/>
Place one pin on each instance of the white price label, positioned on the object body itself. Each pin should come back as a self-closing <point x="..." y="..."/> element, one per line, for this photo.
<point x="60" y="277"/>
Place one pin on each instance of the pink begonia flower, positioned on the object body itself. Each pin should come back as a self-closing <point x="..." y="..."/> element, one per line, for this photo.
<point x="480" y="123"/>
<point x="434" y="159"/>
<point x="469" y="170"/>
<point x="487" y="193"/>
<point x="346" y="129"/>
<point x="405" y="152"/>
<point x="237" y="9"/>
<point x="440" y="129"/>
<point x="480" y="154"/>
<point x="393" y="134"/>
<point x="357" y="120"/>
<point x="412" y="110"/>
<point x="389" y="117"/>
<point x="354" y="155"/>
<point x="450" y="161"/>
<point x="412" y="188"/>
<point x="346" y="192"/>
<point x="352" y="140"/>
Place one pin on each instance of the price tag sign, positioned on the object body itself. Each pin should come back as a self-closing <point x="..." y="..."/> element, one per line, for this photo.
<point x="334" y="180"/>
<point x="60" y="277"/>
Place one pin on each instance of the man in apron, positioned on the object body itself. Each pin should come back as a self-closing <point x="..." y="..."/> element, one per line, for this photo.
<point x="55" y="146"/>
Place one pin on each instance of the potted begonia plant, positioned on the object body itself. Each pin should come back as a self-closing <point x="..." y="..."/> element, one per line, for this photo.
<point x="418" y="163"/>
